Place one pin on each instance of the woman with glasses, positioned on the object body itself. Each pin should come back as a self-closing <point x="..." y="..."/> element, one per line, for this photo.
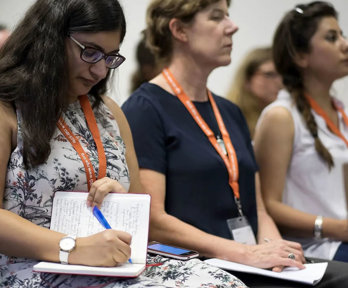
<point x="53" y="74"/>
<point x="255" y="85"/>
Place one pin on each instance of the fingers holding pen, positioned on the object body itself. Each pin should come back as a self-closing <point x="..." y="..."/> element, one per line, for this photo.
<point x="107" y="248"/>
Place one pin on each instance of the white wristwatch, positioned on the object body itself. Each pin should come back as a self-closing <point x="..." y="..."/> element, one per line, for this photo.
<point x="66" y="245"/>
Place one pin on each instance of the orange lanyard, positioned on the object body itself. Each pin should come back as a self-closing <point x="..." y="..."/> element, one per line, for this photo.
<point x="92" y="125"/>
<point x="334" y="129"/>
<point x="230" y="159"/>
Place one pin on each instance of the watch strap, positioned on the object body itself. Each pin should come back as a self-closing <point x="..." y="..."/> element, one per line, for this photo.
<point x="63" y="256"/>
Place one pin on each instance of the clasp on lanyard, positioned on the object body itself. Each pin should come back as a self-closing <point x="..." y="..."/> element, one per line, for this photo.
<point x="239" y="206"/>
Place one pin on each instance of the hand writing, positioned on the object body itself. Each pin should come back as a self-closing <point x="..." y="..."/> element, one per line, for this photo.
<point x="107" y="248"/>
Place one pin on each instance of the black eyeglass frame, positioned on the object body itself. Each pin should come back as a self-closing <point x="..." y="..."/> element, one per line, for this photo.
<point x="104" y="56"/>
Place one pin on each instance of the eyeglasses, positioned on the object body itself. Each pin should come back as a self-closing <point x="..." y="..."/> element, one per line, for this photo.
<point x="92" y="55"/>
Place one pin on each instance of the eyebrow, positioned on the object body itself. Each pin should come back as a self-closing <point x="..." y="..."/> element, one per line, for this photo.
<point x="96" y="46"/>
<point x="220" y="11"/>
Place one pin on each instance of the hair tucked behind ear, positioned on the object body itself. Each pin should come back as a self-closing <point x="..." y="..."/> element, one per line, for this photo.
<point x="292" y="37"/>
<point x="33" y="70"/>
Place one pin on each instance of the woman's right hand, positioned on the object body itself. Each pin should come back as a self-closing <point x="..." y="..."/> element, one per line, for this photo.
<point x="107" y="248"/>
<point x="274" y="254"/>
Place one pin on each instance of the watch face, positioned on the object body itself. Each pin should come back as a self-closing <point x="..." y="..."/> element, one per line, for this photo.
<point x="66" y="244"/>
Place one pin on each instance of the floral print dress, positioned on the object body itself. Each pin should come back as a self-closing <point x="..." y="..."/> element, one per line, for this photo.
<point x="29" y="193"/>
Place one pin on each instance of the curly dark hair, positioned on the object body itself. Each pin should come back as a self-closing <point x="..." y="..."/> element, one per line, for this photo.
<point x="292" y="37"/>
<point x="33" y="73"/>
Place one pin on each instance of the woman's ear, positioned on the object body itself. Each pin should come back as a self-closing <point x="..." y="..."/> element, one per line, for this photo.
<point x="177" y="28"/>
<point x="301" y="60"/>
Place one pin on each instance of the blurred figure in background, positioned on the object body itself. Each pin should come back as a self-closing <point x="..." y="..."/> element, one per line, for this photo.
<point x="255" y="85"/>
<point x="148" y="66"/>
<point x="4" y="33"/>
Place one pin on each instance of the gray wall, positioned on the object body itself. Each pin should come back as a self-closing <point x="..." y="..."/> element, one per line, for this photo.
<point x="256" y="19"/>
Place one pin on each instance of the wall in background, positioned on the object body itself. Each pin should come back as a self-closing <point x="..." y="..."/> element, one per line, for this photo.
<point x="256" y="19"/>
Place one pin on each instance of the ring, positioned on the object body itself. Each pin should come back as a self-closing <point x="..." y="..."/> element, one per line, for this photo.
<point x="291" y="256"/>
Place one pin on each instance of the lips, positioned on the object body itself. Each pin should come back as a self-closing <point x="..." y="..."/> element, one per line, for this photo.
<point x="88" y="82"/>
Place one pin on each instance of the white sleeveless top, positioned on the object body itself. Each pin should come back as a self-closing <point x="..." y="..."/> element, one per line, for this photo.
<point x="310" y="186"/>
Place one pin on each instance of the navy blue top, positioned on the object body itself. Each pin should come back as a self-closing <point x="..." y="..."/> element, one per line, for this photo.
<point x="168" y="140"/>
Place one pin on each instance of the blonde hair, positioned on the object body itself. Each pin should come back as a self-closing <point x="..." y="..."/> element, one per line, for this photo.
<point x="239" y="94"/>
<point x="158" y="15"/>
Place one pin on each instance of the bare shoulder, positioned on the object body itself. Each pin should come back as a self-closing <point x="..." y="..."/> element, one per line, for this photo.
<point x="114" y="108"/>
<point x="275" y="128"/>
<point x="277" y="119"/>
<point x="116" y="112"/>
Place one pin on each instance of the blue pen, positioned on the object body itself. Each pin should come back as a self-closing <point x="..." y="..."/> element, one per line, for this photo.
<point x="99" y="215"/>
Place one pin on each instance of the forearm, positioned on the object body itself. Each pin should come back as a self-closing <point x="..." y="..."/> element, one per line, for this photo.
<point x="267" y="229"/>
<point x="21" y="238"/>
<point x="294" y="221"/>
<point x="168" y="229"/>
<point x="300" y="223"/>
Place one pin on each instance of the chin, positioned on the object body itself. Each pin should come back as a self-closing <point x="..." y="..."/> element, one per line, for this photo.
<point x="225" y="62"/>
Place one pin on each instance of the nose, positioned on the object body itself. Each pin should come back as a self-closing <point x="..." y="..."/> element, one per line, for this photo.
<point x="345" y="44"/>
<point x="99" y="69"/>
<point x="231" y="27"/>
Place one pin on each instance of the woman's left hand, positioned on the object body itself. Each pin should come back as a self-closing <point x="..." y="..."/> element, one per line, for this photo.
<point x="101" y="188"/>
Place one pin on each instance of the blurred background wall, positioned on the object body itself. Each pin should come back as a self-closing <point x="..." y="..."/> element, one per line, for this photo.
<point x="256" y="19"/>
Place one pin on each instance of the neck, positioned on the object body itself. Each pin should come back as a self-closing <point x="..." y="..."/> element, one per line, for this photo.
<point x="319" y="91"/>
<point x="72" y="98"/>
<point x="318" y="87"/>
<point x="191" y="76"/>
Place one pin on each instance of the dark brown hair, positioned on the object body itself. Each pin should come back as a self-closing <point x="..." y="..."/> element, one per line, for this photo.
<point x="33" y="73"/>
<point x="293" y="36"/>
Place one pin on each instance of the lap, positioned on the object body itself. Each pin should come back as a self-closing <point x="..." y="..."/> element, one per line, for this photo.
<point x="342" y="252"/>
<point x="161" y="272"/>
<point x="335" y="276"/>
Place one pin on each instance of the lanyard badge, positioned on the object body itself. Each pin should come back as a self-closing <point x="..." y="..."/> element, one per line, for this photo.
<point x="239" y="227"/>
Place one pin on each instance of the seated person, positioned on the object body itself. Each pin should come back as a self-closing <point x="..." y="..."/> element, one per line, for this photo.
<point x="256" y="84"/>
<point x="147" y="65"/>
<point x="301" y="141"/>
<point x="4" y="33"/>
<point x="182" y="132"/>
<point x="54" y="70"/>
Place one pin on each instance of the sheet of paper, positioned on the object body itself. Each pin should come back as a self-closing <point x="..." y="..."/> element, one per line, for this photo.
<point x="125" y="212"/>
<point x="312" y="274"/>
